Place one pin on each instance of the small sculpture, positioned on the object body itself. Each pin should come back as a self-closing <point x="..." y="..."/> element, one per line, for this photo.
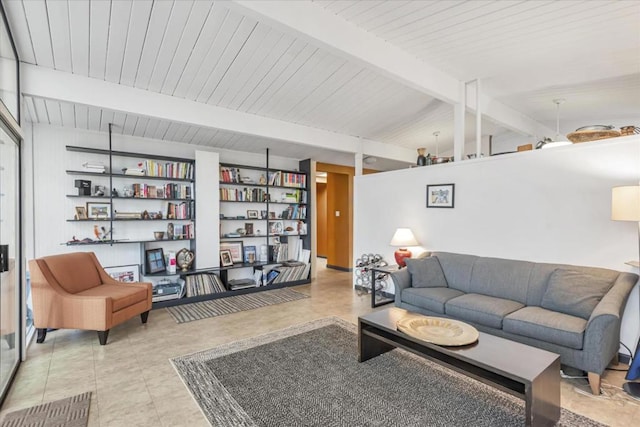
<point x="263" y="180"/>
<point x="158" y="215"/>
<point x="114" y="193"/>
<point x="145" y="215"/>
<point x="170" y="231"/>
<point x="422" y="160"/>
<point x="184" y="259"/>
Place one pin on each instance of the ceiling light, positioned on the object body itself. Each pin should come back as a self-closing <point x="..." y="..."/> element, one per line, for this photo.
<point x="369" y="160"/>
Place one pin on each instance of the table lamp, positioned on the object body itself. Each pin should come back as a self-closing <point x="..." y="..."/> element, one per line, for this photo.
<point x="625" y="206"/>
<point x="403" y="237"/>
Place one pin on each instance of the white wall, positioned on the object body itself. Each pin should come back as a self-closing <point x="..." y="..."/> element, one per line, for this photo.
<point x="47" y="161"/>
<point x="543" y="205"/>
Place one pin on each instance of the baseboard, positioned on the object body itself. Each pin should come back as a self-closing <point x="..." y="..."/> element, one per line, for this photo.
<point x="335" y="267"/>
<point x="624" y="358"/>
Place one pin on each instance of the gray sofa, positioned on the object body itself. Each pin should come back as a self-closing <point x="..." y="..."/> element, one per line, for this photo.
<point x="570" y="310"/>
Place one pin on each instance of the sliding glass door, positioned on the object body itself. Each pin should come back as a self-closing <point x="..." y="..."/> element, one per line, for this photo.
<point x="10" y="257"/>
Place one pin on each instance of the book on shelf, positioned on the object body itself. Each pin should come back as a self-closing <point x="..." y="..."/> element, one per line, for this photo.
<point x="230" y="175"/>
<point x="94" y="167"/>
<point x="133" y="171"/>
<point x="236" y="284"/>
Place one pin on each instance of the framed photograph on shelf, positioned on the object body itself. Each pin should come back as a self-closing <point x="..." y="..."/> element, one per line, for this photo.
<point x="225" y="258"/>
<point x="236" y="250"/>
<point x="251" y="214"/>
<point x="154" y="261"/>
<point x="98" y="210"/>
<point x="124" y="273"/>
<point x="263" y="214"/>
<point x="250" y="254"/>
<point x="276" y="227"/>
<point x="81" y="212"/>
<point x="248" y="229"/>
<point x="440" y="196"/>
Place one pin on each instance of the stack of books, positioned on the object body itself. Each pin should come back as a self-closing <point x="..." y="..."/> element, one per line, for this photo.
<point x="236" y="284"/>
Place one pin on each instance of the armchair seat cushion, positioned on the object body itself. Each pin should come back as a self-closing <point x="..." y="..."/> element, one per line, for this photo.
<point x="482" y="309"/>
<point x="123" y="296"/>
<point x="430" y="298"/>
<point x="547" y="325"/>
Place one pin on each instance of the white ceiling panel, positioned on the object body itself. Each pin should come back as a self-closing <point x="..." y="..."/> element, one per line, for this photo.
<point x="526" y="52"/>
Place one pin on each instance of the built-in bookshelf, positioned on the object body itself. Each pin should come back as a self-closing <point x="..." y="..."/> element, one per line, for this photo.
<point x="150" y="197"/>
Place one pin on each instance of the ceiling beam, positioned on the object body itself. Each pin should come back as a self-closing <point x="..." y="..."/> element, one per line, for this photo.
<point x="321" y="28"/>
<point x="51" y="84"/>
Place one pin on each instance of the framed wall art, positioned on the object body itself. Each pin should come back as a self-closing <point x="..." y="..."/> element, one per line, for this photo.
<point x="440" y="196"/>
<point x="98" y="210"/>
<point x="235" y="248"/>
<point x="124" y="273"/>
<point x="154" y="261"/>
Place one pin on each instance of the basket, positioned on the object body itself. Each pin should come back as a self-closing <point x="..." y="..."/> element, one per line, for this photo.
<point x="629" y="130"/>
<point x="591" y="135"/>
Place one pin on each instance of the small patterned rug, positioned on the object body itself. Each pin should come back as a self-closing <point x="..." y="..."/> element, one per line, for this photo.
<point x="309" y="375"/>
<point x="69" y="412"/>
<point x="218" y="307"/>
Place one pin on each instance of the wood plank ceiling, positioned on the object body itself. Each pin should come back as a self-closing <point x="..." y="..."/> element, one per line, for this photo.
<point x="526" y="53"/>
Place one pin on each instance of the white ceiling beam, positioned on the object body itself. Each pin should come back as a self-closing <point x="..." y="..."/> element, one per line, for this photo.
<point x="319" y="27"/>
<point x="51" y="84"/>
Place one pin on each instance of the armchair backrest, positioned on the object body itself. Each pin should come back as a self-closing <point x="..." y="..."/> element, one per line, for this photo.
<point x="74" y="272"/>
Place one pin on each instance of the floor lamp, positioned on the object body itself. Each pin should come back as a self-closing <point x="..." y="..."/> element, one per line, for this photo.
<point x="625" y="206"/>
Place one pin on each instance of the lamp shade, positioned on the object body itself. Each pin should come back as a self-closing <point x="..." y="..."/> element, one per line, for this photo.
<point x="403" y="237"/>
<point x="625" y="203"/>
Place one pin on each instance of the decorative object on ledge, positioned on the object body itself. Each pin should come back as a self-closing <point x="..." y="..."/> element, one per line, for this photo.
<point x="592" y="133"/>
<point x="403" y="237"/>
<point x="185" y="258"/>
<point x="438" y="330"/>
<point x="440" y="196"/>
<point x="422" y="160"/>
<point x="625" y="206"/>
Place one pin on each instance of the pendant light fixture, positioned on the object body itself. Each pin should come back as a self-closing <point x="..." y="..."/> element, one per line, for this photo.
<point x="559" y="140"/>
<point x="436" y="133"/>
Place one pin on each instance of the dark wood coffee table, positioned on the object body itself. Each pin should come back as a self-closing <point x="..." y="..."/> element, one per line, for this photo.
<point x="521" y="370"/>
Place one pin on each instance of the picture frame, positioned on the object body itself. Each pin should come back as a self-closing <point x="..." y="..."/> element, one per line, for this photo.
<point x="252" y="214"/>
<point x="124" y="273"/>
<point x="98" y="210"/>
<point x="236" y="249"/>
<point x="263" y="214"/>
<point x="81" y="212"/>
<point x="225" y="258"/>
<point x="248" y="229"/>
<point x="276" y="227"/>
<point x="441" y="196"/>
<point x="154" y="261"/>
<point x="272" y="215"/>
<point x="250" y="254"/>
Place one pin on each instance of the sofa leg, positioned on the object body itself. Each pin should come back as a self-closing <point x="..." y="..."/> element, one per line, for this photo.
<point x="594" y="382"/>
<point x="144" y="316"/>
<point x="102" y="336"/>
<point x="42" y="334"/>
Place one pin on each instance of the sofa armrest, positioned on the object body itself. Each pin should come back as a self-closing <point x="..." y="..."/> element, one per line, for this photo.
<point x="602" y="335"/>
<point x="401" y="280"/>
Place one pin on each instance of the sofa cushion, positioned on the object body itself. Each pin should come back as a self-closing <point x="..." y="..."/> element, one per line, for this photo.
<point x="426" y="273"/>
<point x="574" y="292"/>
<point x="502" y="278"/>
<point x="122" y="295"/>
<point x="546" y="325"/>
<point x="432" y="299"/>
<point x="482" y="309"/>
<point x="457" y="269"/>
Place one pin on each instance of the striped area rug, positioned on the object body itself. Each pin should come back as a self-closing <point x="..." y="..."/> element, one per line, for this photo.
<point x="219" y="307"/>
<point x="69" y="412"/>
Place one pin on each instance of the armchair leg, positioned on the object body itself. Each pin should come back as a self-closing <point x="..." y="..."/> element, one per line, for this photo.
<point x="42" y="334"/>
<point x="144" y="316"/>
<point x="594" y="382"/>
<point x="102" y="336"/>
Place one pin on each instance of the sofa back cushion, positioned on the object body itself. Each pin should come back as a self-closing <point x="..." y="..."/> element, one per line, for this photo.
<point x="575" y="292"/>
<point x="426" y="273"/>
<point x="457" y="269"/>
<point x="502" y="278"/>
<point x="75" y="272"/>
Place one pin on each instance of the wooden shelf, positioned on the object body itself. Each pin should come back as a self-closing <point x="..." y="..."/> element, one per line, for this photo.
<point x="122" y="175"/>
<point x="217" y="295"/>
<point x="122" y="241"/>
<point x="128" y="219"/>
<point x="129" y="198"/>
<point x="127" y="154"/>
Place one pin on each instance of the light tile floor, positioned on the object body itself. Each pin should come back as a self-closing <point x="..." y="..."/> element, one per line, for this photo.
<point x="134" y="384"/>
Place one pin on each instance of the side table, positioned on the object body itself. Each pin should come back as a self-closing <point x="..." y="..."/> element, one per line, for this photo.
<point x="381" y="272"/>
